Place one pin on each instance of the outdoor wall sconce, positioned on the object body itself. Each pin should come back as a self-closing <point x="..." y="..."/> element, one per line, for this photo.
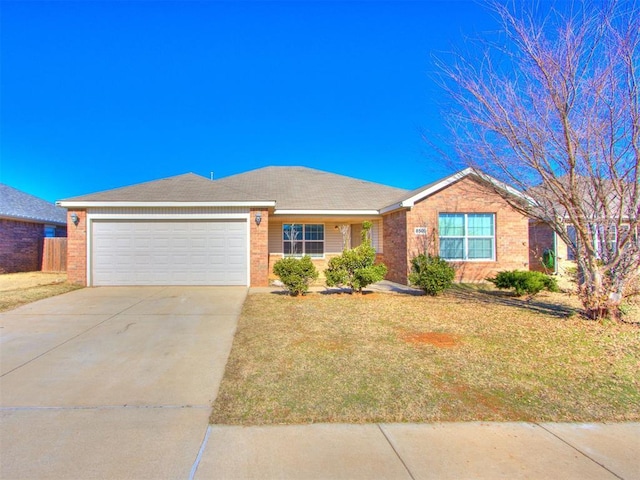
<point x="75" y="219"/>
<point x="258" y="218"/>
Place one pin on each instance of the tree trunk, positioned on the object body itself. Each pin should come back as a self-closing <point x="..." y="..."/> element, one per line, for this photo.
<point x="597" y="293"/>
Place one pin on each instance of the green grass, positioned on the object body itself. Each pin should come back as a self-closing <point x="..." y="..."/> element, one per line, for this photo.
<point x="468" y="355"/>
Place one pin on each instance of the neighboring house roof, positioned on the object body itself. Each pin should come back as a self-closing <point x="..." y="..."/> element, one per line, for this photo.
<point x="598" y="198"/>
<point x="18" y="205"/>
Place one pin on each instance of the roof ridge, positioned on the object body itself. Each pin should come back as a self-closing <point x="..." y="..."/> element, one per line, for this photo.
<point x="310" y="169"/>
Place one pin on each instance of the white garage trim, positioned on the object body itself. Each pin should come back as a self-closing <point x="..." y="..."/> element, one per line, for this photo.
<point x="140" y="214"/>
<point x="72" y="204"/>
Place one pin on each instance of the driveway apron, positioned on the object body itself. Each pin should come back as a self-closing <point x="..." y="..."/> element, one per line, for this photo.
<point x="112" y="382"/>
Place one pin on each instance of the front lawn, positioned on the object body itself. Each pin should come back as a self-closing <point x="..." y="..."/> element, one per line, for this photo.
<point x="17" y="289"/>
<point x="472" y="354"/>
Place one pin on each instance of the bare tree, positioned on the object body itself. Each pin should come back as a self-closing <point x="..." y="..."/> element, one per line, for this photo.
<point x="552" y="108"/>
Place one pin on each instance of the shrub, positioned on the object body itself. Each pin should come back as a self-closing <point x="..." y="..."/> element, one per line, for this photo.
<point x="525" y="282"/>
<point x="296" y="274"/>
<point x="431" y="274"/>
<point x="355" y="267"/>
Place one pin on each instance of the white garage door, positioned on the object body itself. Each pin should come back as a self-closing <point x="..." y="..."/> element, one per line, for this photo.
<point x="160" y="252"/>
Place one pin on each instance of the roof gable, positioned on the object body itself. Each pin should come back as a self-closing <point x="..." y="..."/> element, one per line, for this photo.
<point x="19" y="205"/>
<point x="426" y="191"/>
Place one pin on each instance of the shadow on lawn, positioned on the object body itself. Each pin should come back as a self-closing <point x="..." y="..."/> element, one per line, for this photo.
<point x="508" y="299"/>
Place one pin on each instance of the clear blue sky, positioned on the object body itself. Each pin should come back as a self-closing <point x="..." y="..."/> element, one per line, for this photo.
<point x="101" y="94"/>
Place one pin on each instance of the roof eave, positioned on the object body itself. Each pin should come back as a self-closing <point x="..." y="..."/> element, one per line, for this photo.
<point x="392" y="208"/>
<point x="47" y="221"/>
<point x="326" y="212"/>
<point x="445" y="182"/>
<point x="104" y="204"/>
<point x="436" y="187"/>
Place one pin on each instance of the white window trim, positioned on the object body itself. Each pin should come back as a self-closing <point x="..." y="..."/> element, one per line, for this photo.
<point x="304" y="224"/>
<point x="466" y="237"/>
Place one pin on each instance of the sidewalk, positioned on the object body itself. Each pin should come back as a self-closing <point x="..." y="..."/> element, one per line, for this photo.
<point x="409" y="451"/>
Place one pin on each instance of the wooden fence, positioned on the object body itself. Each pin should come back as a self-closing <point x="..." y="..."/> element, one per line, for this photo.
<point x="54" y="254"/>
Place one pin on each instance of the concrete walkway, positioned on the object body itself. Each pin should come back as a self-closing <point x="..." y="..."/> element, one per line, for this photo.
<point x="117" y="383"/>
<point x="429" y="451"/>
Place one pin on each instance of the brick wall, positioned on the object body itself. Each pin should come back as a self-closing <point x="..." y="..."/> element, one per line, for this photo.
<point x="464" y="196"/>
<point x="470" y="196"/>
<point x="540" y="239"/>
<point x="20" y="246"/>
<point x="259" y="249"/>
<point x="394" y="239"/>
<point x="77" y="248"/>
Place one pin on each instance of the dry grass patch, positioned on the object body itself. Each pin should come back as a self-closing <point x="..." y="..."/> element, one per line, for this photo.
<point x="18" y="289"/>
<point x="468" y="355"/>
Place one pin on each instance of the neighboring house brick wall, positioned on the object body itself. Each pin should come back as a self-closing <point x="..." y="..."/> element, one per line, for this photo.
<point x="259" y="249"/>
<point x="394" y="233"/>
<point x="77" y="248"/>
<point x="540" y="239"/>
<point x="20" y="246"/>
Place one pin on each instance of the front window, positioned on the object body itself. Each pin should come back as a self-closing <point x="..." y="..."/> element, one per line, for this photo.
<point x="303" y="239"/>
<point x="467" y="236"/>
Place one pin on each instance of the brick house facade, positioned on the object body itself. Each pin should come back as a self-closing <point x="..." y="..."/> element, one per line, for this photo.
<point x="466" y="196"/>
<point x="320" y="205"/>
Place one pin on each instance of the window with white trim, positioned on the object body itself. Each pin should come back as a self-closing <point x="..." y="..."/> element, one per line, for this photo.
<point x="300" y="239"/>
<point x="467" y="236"/>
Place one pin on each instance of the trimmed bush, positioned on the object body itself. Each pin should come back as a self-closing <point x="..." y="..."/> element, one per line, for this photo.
<point x="296" y="274"/>
<point x="355" y="267"/>
<point x="432" y="274"/>
<point x="525" y="282"/>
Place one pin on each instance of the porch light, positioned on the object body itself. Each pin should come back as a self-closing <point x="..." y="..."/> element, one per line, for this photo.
<point x="258" y="218"/>
<point x="75" y="219"/>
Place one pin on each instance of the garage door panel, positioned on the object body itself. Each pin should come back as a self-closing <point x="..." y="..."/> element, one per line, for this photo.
<point x="141" y="252"/>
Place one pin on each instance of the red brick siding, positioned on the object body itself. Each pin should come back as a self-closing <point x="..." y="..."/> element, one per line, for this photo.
<point x="20" y="246"/>
<point x="512" y="228"/>
<point x="77" y="248"/>
<point x="259" y="249"/>
<point x="465" y="196"/>
<point x="394" y="241"/>
<point x="540" y="239"/>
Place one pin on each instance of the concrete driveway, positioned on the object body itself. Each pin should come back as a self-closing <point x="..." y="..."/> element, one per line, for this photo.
<point x="95" y="380"/>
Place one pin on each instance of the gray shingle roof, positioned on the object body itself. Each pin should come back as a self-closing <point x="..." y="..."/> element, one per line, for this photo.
<point x="182" y="188"/>
<point x="301" y="188"/>
<point x="19" y="205"/>
<point x="292" y="188"/>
